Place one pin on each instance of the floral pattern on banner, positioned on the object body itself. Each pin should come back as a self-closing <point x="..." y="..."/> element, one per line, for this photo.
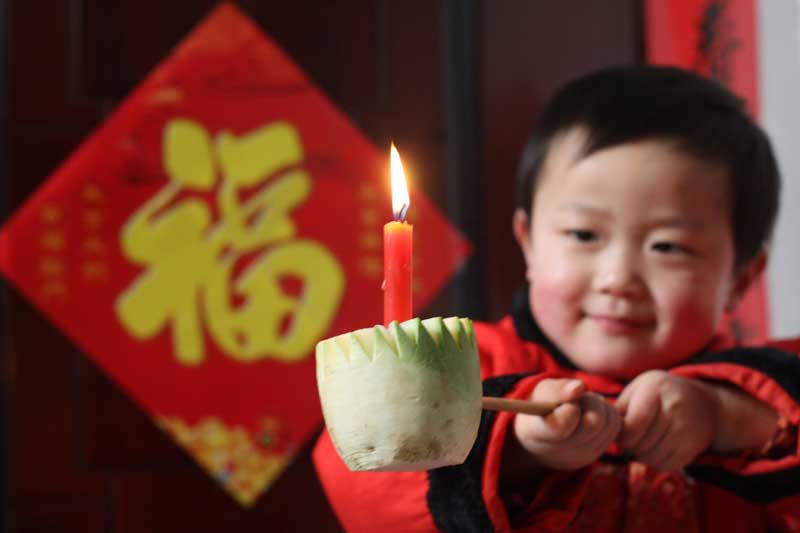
<point x="242" y="466"/>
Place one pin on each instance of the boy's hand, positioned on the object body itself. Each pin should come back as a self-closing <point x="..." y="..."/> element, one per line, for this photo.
<point x="667" y="420"/>
<point x="575" y="434"/>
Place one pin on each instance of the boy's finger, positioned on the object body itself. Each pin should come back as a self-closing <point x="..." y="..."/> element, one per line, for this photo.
<point x="640" y="413"/>
<point x="558" y="390"/>
<point x="595" y="417"/>
<point x="660" y="452"/>
<point x="610" y="431"/>
<point x="654" y="438"/>
<point x="613" y="420"/>
<point x="558" y="425"/>
<point x="621" y="404"/>
<point x="573" y="390"/>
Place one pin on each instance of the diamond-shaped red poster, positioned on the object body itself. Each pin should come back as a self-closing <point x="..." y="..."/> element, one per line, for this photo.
<point x="223" y="220"/>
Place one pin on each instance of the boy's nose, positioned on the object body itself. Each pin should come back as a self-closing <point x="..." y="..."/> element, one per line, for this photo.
<point x="618" y="275"/>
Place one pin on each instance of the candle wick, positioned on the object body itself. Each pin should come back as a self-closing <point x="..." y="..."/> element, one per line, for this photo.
<point x="403" y="211"/>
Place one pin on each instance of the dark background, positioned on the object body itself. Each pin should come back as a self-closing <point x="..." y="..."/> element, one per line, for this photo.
<point x="456" y="83"/>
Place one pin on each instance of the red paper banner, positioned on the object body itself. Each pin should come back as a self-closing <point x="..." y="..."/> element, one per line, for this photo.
<point x="717" y="38"/>
<point x="224" y="219"/>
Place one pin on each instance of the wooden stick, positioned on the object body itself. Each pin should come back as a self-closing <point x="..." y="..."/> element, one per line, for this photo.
<point x="527" y="407"/>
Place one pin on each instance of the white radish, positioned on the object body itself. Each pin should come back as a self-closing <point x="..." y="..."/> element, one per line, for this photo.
<point x="403" y="398"/>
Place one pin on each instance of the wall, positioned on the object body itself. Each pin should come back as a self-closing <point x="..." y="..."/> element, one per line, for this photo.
<point x="780" y="113"/>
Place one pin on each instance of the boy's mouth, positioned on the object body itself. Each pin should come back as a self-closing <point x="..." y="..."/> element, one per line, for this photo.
<point x="620" y="324"/>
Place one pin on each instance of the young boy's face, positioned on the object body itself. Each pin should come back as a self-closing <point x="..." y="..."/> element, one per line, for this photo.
<point x="630" y="254"/>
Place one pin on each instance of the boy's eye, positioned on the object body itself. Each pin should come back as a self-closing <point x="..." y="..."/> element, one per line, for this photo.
<point x="670" y="248"/>
<point x="582" y="235"/>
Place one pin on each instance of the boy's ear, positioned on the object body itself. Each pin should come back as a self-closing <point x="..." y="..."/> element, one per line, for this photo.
<point x="521" y="227"/>
<point x="744" y="278"/>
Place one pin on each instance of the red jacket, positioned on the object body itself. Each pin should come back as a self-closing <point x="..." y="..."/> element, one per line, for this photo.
<point x="716" y="493"/>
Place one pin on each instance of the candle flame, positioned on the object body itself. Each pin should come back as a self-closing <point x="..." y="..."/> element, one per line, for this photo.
<point x="400" y="200"/>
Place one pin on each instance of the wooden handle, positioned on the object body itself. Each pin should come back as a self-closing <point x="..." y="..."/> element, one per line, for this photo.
<point x="517" y="406"/>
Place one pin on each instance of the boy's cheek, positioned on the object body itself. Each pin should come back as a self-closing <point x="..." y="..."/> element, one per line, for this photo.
<point x="559" y="301"/>
<point x="695" y="321"/>
<point x="556" y="308"/>
<point x="559" y="276"/>
<point x="553" y="291"/>
<point x="692" y="309"/>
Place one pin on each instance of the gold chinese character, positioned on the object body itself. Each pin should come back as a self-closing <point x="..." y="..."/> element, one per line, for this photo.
<point x="371" y="241"/>
<point x="192" y="262"/>
<point x="371" y="266"/>
<point x="52" y="241"/>
<point x="93" y="245"/>
<point x="167" y="95"/>
<point x="369" y="217"/>
<point x="51" y="266"/>
<point x="93" y="218"/>
<point x="94" y="270"/>
<point x="54" y="290"/>
<point x="92" y="194"/>
<point x="51" y="213"/>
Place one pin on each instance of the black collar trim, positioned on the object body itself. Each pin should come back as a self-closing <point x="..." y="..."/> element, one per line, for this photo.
<point x="528" y="329"/>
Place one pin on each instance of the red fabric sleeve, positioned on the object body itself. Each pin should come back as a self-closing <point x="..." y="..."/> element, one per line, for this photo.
<point x="778" y="478"/>
<point x="789" y="345"/>
<point x="560" y="493"/>
<point x="372" y="501"/>
<point x="762" y="387"/>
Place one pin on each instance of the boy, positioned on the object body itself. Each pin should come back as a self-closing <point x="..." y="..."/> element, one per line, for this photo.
<point x="647" y="197"/>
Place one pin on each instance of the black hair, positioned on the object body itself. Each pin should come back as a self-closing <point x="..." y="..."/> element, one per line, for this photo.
<point x="625" y="104"/>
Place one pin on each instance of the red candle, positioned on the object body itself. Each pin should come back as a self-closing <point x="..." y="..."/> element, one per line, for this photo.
<point x="397" y="248"/>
